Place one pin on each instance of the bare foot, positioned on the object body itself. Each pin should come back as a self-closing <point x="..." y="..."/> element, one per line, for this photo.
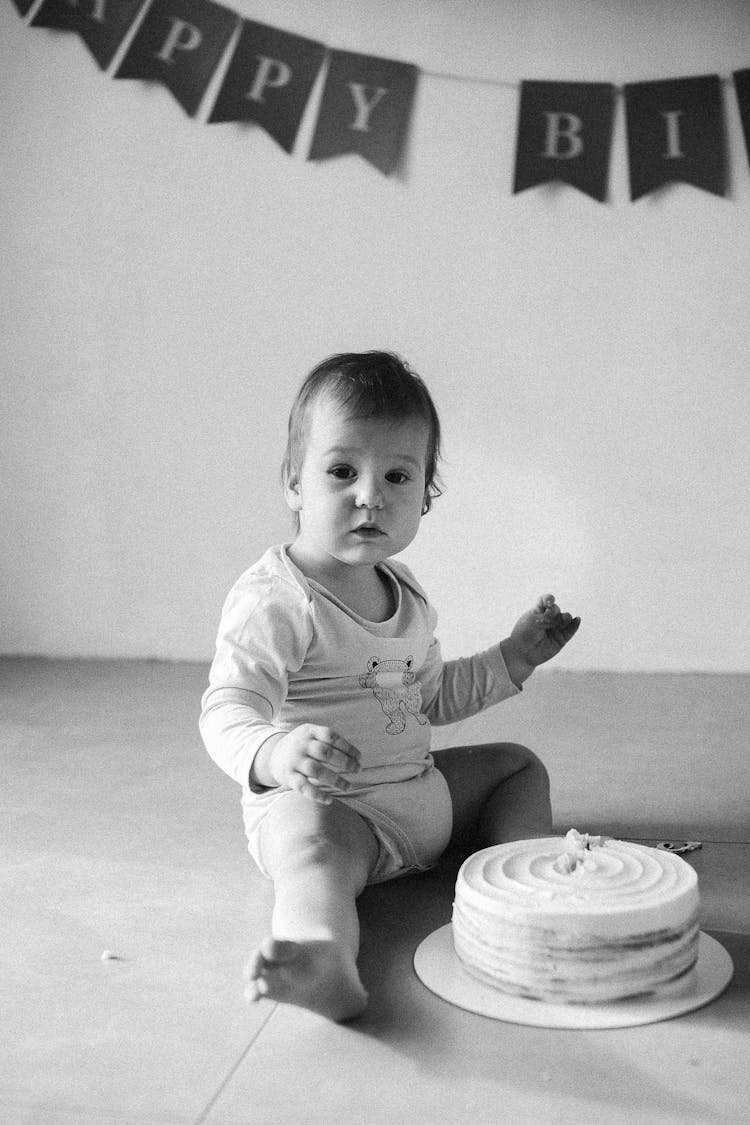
<point x="318" y="975"/>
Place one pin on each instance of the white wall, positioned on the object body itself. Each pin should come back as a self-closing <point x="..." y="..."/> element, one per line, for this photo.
<point x="166" y="284"/>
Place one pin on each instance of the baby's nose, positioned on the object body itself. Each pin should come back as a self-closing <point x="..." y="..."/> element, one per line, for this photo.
<point x="369" y="495"/>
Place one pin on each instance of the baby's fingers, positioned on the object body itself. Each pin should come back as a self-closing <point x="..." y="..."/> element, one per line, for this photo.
<point x="545" y="603"/>
<point x="308" y="788"/>
<point x="334" y="750"/>
<point x="551" y="614"/>
<point x="571" y="627"/>
<point x="321" y="775"/>
<point x="565" y="628"/>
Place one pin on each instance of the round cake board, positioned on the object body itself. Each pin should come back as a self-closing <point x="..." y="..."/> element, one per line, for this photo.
<point x="438" y="967"/>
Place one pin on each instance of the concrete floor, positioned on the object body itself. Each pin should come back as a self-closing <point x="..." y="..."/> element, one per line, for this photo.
<point x="121" y="835"/>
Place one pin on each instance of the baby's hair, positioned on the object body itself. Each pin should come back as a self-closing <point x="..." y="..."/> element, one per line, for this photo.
<point x="366" y="385"/>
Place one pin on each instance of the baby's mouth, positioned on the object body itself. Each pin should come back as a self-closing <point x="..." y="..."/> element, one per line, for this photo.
<point x="368" y="531"/>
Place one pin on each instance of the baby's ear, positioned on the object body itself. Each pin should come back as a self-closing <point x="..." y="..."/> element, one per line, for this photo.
<point x="293" y="492"/>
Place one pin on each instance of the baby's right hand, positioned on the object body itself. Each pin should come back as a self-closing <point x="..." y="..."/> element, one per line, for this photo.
<point x="312" y="759"/>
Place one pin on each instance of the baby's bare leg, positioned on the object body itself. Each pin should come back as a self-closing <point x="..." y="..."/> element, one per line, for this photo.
<point x="500" y="792"/>
<point x="319" y="857"/>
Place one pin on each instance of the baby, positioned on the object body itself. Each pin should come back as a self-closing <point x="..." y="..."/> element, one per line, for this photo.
<point x="328" y="675"/>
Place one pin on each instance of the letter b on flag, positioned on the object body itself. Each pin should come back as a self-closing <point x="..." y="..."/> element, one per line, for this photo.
<point x="564" y="133"/>
<point x="563" y="136"/>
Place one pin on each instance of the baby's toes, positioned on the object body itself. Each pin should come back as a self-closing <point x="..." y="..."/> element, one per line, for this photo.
<point x="255" y="965"/>
<point x="253" y="991"/>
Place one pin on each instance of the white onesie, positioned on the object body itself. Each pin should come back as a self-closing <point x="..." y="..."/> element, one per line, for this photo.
<point x="289" y="652"/>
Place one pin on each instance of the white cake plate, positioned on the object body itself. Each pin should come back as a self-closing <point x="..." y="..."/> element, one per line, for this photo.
<point x="438" y="967"/>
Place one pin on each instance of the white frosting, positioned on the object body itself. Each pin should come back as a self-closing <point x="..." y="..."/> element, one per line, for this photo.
<point x="576" y="919"/>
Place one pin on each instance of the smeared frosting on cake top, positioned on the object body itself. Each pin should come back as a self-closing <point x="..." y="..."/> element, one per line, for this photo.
<point x="577" y="853"/>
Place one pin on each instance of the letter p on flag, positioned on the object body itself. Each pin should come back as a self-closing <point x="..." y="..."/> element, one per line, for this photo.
<point x="565" y="133"/>
<point x="269" y="80"/>
<point x="180" y="44"/>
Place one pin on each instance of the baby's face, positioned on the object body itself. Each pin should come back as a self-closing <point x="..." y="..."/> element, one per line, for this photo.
<point x="361" y="487"/>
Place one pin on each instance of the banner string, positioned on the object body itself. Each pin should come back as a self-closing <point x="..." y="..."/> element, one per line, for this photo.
<point x="508" y="85"/>
<point x="445" y="75"/>
<point x="468" y="79"/>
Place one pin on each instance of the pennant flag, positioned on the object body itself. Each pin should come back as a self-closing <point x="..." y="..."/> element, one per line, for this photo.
<point x="23" y="5"/>
<point x="269" y="81"/>
<point x="564" y="133"/>
<point x="742" y="89"/>
<point x="101" y="24"/>
<point x="179" y="44"/>
<point x="365" y="108"/>
<point x="675" y="133"/>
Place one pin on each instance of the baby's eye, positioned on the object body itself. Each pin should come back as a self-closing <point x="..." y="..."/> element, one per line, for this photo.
<point x="397" y="477"/>
<point x="342" y="472"/>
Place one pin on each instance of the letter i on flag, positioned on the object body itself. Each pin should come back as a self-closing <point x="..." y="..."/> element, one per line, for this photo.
<point x="101" y="24"/>
<point x="675" y="132"/>
<point x="365" y="108"/>
<point x="564" y="133"/>
<point x="742" y="89"/>
<point x="180" y="44"/>
<point x="269" y="81"/>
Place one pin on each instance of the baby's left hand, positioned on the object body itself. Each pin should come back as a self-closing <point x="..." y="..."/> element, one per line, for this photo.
<point x="539" y="634"/>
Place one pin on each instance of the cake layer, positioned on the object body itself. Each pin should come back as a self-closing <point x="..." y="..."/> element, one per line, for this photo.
<point x="571" y="920"/>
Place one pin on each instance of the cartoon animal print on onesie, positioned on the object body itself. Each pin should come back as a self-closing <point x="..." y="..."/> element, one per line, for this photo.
<point x="394" y="686"/>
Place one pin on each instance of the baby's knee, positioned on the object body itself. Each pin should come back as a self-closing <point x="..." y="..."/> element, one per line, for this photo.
<point x="531" y="762"/>
<point x="322" y="839"/>
<point x="318" y="860"/>
<point x="315" y="849"/>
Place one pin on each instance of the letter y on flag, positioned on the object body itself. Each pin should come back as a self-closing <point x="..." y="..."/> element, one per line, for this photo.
<point x="365" y="108"/>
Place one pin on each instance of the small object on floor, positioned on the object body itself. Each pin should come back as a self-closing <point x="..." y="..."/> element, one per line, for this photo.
<point x="108" y="955"/>
<point x="679" y="847"/>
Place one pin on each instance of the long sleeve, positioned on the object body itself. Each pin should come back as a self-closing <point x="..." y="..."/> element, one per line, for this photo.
<point x="456" y="689"/>
<point x="264" y="633"/>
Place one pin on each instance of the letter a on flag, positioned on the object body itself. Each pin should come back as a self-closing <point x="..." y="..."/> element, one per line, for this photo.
<point x="269" y="81"/>
<point x="179" y="44"/>
<point x="101" y="24"/>
<point x="365" y="108"/>
<point x="564" y="133"/>
<point x="675" y="132"/>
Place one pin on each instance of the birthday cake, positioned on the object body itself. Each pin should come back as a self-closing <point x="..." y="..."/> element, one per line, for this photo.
<point x="577" y="919"/>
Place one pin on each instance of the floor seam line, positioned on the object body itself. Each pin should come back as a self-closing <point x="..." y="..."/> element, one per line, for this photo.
<point x="203" y="1115"/>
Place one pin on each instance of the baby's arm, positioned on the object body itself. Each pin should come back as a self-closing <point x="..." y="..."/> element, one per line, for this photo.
<point x="265" y="631"/>
<point x="537" y="636"/>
